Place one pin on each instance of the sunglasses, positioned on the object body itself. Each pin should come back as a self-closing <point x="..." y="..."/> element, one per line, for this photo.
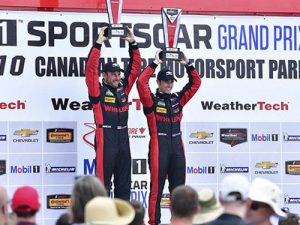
<point x="258" y="205"/>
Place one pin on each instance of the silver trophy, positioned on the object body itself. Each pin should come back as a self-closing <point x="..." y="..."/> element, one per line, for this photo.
<point x="115" y="28"/>
<point x="171" y="23"/>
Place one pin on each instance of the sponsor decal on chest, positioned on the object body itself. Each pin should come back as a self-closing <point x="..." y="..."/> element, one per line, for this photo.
<point x="110" y="99"/>
<point x="161" y="103"/>
<point x="176" y="110"/>
<point x="161" y="110"/>
<point x="109" y="93"/>
<point x="123" y="99"/>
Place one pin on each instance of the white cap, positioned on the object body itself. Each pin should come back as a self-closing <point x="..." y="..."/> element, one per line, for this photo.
<point x="234" y="187"/>
<point x="265" y="191"/>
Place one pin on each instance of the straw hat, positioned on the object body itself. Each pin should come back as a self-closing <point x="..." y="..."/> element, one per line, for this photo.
<point x="106" y="211"/>
<point x="210" y="207"/>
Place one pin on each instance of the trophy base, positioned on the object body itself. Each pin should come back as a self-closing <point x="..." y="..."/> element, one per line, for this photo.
<point x="170" y="54"/>
<point x="116" y="30"/>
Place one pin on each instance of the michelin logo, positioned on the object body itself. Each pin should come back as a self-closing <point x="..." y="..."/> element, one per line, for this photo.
<point x="62" y="169"/>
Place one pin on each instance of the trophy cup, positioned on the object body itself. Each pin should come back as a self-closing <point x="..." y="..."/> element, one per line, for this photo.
<point x="115" y="28"/>
<point x="171" y="23"/>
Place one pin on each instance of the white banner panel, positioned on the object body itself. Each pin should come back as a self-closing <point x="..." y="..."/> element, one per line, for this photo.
<point x="244" y="118"/>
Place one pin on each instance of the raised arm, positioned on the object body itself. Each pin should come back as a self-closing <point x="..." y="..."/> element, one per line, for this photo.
<point x="193" y="84"/>
<point x="143" y="82"/>
<point x="132" y="70"/>
<point x="92" y="65"/>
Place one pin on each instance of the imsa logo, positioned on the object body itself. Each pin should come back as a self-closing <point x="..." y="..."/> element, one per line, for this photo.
<point x="60" y="135"/>
<point x="59" y="201"/>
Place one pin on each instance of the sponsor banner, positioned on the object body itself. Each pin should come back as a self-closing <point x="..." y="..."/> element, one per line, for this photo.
<point x="233" y="136"/>
<point x="2" y="137"/>
<point x="42" y="78"/>
<point x="60" y="135"/>
<point x="2" y="167"/>
<point x="292" y="167"/>
<point x="58" y="201"/>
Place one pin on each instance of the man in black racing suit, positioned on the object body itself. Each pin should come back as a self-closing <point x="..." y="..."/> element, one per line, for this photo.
<point x="164" y="112"/>
<point x="110" y="106"/>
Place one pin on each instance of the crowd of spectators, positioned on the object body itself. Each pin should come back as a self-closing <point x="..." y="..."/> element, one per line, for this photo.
<point x="239" y="202"/>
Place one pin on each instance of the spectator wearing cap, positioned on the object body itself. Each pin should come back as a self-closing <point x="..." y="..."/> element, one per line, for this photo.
<point x="183" y="205"/>
<point x="85" y="189"/>
<point x="3" y="206"/>
<point x="106" y="211"/>
<point x="25" y="203"/>
<point x="266" y="197"/>
<point x="234" y="198"/>
<point x="210" y="207"/>
<point x="110" y="103"/>
<point x="163" y="111"/>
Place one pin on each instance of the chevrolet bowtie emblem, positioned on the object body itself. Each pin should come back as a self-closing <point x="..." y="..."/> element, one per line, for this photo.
<point x="201" y="135"/>
<point x="26" y="132"/>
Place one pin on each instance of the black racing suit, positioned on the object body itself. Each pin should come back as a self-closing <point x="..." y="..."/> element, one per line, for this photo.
<point x="110" y="107"/>
<point x="166" y="153"/>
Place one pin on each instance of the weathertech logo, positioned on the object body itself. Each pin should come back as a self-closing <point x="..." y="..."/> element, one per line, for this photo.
<point x="17" y="105"/>
<point x="292" y="167"/>
<point x="233" y="136"/>
<point x="232" y="106"/>
<point x="60" y="135"/>
<point x="60" y="169"/>
<point x="233" y="169"/>
<point x="59" y="201"/>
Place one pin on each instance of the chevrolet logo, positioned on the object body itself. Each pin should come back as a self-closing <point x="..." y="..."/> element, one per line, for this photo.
<point x="201" y="135"/>
<point x="26" y="132"/>
<point x="266" y="164"/>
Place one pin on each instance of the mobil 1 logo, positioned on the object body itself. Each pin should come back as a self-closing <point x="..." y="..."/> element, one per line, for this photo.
<point x="8" y="32"/>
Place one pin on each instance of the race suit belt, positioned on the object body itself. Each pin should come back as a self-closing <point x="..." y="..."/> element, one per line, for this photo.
<point x="165" y="134"/>
<point x="111" y="126"/>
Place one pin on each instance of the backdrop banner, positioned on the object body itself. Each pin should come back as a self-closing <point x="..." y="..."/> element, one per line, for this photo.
<point x="244" y="118"/>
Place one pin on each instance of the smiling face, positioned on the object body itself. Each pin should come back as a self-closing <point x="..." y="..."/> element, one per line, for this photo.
<point x="165" y="87"/>
<point x="112" y="78"/>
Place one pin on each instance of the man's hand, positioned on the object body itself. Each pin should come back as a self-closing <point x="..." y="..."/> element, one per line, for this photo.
<point x="101" y="37"/>
<point x="130" y="36"/>
<point x="157" y="59"/>
<point x="184" y="60"/>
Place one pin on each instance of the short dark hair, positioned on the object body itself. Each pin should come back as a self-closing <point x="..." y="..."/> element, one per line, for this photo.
<point x="184" y="201"/>
<point x="139" y="213"/>
<point x="25" y="214"/>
